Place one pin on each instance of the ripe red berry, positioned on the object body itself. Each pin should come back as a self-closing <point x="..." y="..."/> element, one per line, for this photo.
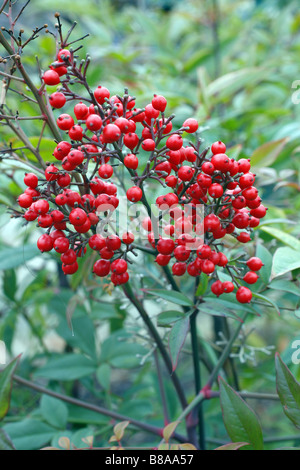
<point x="211" y="223"/>
<point x="131" y="161"/>
<point x="221" y="162"/>
<point x="186" y="173"/>
<point x="216" y="191"/>
<point x="63" y="55"/>
<point x="41" y="206"/>
<point x="217" y="288"/>
<point x="244" y="237"/>
<point x="163" y="260"/>
<point x="192" y="125"/>
<point x="70" y="268"/>
<point x="208" y="266"/>
<point x="102" y="268"/>
<point x="81" y="111"/>
<point x="94" y="122"/>
<point x="165" y="246"/>
<point x="45" y="221"/>
<point x="248" y="179"/>
<point x="134" y="194"/>
<point x="204" y="252"/>
<point x="174" y="142"/>
<point x="69" y="257"/>
<point x="113" y="242"/>
<point x="78" y="216"/>
<point x="228" y="287"/>
<point x="208" y="168"/>
<point x="244" y="165"/>
<point x="106" y="171"/>
<point x="65" y="122"/>
<point x="25" y="200"/>
<point x="128" y="238"/>
<point x="148" y="145"/>
<point x="111" y="133"/>
<point x="45" y="243"/>
<point x="101" y="94"/>
<point x="119" y="266"/>
<point x="179" y="269"/>
<point x="61" y="245"/>
<point x="244" y="295"/>
<point x="255" y="264"/>
<point x="182" y="253"/>
<point x="57" y="100"/>
<point x="76" y="133"/>
<point x="260" y="212"/>
<point x="119" y="279"/>
<point x="62" y="150"/>
<point x="159" y="103"/>
<point x="251" y="277"/>
<point x="218" y="147"/>
<point x="51" y="78"/>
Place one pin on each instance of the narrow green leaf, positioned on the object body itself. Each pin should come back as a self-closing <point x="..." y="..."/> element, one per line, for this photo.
<point x="266" y="299"/>
<point x="240" y="420"/>
<point x="6" y="382"/>
<point x="285" y="286"/>
<point x="289" y="391"/>
<point x="169" y="317"/>
<point x="10" y="283"/>
<point x="266" y="257"/>
<point x="177" y="339"/>
<point x="69" y="367"/>
<point x="235" y="446"/>
<point x="267" y="154"/>
<point x="284" y="237"/>
<point x="172" y="296"/>
<point x="30" y="434"/>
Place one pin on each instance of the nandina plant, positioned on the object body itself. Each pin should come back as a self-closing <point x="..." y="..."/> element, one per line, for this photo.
<point x="109" y="148"/>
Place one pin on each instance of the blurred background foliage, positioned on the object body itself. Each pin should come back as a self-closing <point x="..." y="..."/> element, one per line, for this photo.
<point x="233" y="65"/>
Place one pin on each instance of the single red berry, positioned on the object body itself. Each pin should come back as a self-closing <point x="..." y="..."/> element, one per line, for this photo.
<point x="260" y="212"/>
<point x="51" y="173"/>
<point x="101" y="94"/>
<point x="65" y="122"/>
<point x="179" y="269"/>
<point x="63" y="55"/>
<point x="57" y="100"/>
<point x="81" y="111"/>
<point x="192" y="125"/>
<point x="61" y="245"/>
<point x="151" y="113"/>
<point x="51" y="78"/>
<point x="106" y="171"/>
<point x="208" y="266"/>
<point x="208" y="168"/>
<point x="251" y="277"/>
<point x="45" y="243"/>
<point x="25" y="200"/>
<point x="228" y="287"/>
<point x="41" y="206"/>
<point x="241" y="220"/>
<point x="119" y="266"/>
<point x="186" y="173"/>
<point x="182" y="253"/>
<point x="102" y="268"/>
<point x="62" y="150"/>
<point x="30" y="215"/>
<point x="78" y="216"/>
<point x="94" y="122"/>
<point x="248" y="179"/>
<point x="159" y="103"/>
<point x="211" y="223"/>
<point x="70" y="268"/>
<point x="131" y="140"/>
<point x="204" y="252"/>
<point x="163" y="260"/>
<point x="69" y="257"/>
<point x="128" y="238"/>
<point x="244" y="295"/>
<point x="221" y="162"/>
<point x="255" y="264"/>
<point x="97" y="242"/>
<point x="244" y="237"/>
<point x="45" y="221"/>
<point x="217" y="288"/>
<point x="165" y="246"/>
<point x="76" y="133"/>
<point x="113" y="242"/>
<point x="174" y="142"/>
<point x="244" y="165"/>
<point x="216" y="191"/>
<point x="218" y="147"/>
<point x="148" y="145"/>
<point x="134" y="194"/>
<point x="131" y="161"/>
<point x="111" y="133"/>
<point x="119" y="279"/>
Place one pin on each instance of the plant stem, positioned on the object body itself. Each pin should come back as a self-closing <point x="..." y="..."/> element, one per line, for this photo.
<point x="162" y="389"/>
<point x="155" y="335"/>
<point x="97" y="409"/>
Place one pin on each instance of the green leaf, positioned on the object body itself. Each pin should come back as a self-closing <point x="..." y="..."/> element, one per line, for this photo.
<point x="6" y="382"/>
<point x="14" y="257"/>
<point x="10" y="283"/>
<point x="69" y="367"/>
<point x="29" y="434"/>
<point x="169" y="317"/>
<point x="266" y="299"/>
<point x="289" y="391"/>
<point x="285" y="286"/>
<point x="202" y="288"/>
<point x="81" y="336"/>
<point x="5" y="442"/>
<point x="172" y="296"/>
<point x="177" y="339"/>
<point x="284" y="261"/>
<point x="284" y="237"/>
<point x="54" y="411"/>
<point x="266" y="257"/>
<point x="103" y="376"/>
<point x="267" y="154"/>
<point x="235" y="446"/>
<point x="240" y="420"/>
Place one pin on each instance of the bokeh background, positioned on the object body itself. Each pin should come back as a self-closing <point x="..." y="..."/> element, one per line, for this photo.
<point x="232" y="64"/>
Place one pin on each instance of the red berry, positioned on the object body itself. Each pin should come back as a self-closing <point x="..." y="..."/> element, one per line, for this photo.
<point x="148" y="145"/>
<point x="102" y="268"/>
<point x="81" y="111"/>
<point x="216" y="191"/>
<point x="228" y="287"/>
<point x="119" y="279"/>
<point x="64" y="180"/>
<point x="65" y="122"/>
<point x="186" y="173"/>
<point x="94" y="122"/>
<point x="131" y="161"/>
<point x="76" y="133"/>
<point x="134" y="194"/>
<point x="174" y="142"/>
<point x="62" y="150"/>
<point x="244" y="165"/>
<point x="113" y="242"/>
<point x="61" y="245"/>
<point x="260" y="212"/>
<point x="69" y="257"/>
<point x="57" y="100"/>
<point x="248" y="179"/>
<point x="128" y="238"/>
<point x="70" y="268"/>
<point x="25" y="200"/>
<point x="182" y="253"/>
<point x="131" y="140"/>
<point x="179" y="269"/>
<point x="45" y="243"/>
<point x="192" y="125"/>
<point x="101" y="93"/>
<point x="251" y="277"/>
<point x="119" y="266"/>
<point x="217" y="288"/>
<point x="165" y="246"/>
<point x="78" y="216"/>
<point x="97" y="242"/>
<point x="111" y="133"/>
<point x="244" y="295"/>
<point x="163" y="260"/>
<point x="106" y="171"/>
<point x="208" y="168"/>
<point x="63" y="55"/>
<point x="244" y="237"/>
<point x="159" y="103"/>
<point x="51" y="78"/>
<point x="45" y="221"/>
<point x="208" y="266"/>
<point x="218" y="147"/>
<point x="241" y="220"/>
<point x="204" y="252"/>
<point x="41" y="206"/>
<point x="255" y="264"/>
<point x="221" y="162"/>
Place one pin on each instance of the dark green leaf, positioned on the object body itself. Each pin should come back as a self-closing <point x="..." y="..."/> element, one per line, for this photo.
<point x="54" y="411"/>
<point x="289" y="391"/>
<point x="177" y="339"/>
<point x="29" y="434"/>
<point x="9" y="283"/>
<point x="6" y="382"/>
<point x="240" y="420"/>
<point x="172" y="296"/>
<point x="169" y="317"/>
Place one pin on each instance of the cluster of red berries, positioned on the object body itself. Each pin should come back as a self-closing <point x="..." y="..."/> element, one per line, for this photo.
<point x="105" y="136"/>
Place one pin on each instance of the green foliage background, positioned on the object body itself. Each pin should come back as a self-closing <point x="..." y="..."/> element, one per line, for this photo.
<point x="232" y="65"/>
